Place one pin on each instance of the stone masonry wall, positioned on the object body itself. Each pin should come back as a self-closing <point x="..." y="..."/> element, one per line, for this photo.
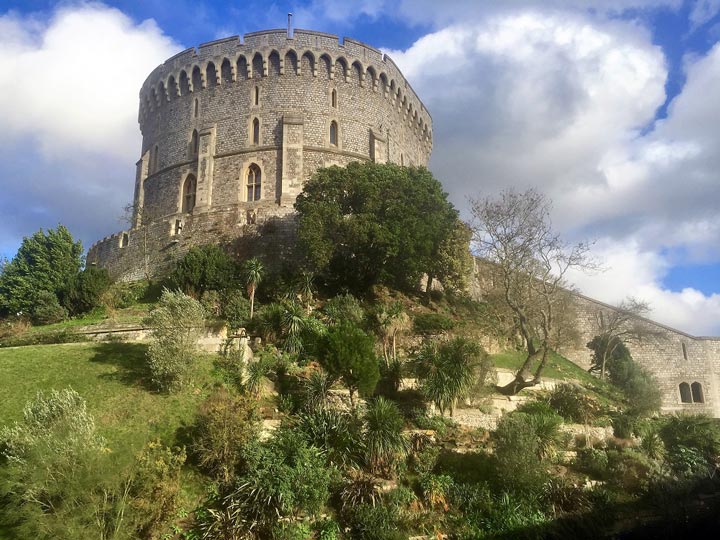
<point x="197" y="115"/>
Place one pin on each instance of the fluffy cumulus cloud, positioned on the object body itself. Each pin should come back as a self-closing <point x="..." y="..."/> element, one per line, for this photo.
<point x="566" y="102"/>
<point x="70" y="137"/>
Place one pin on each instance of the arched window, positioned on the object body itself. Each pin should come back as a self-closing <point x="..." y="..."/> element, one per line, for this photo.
<point x="196" y="108"/>
<point x="333" y="133"/>
<point x="194" y="144"/>
<point x="256" y="131"/>
<point x="333" y="99"/>
<point x="685" y="394"/>
<point x="697" y="393"/>
<point x="254" y="183"/>
<point x="256" y="96"/>
<point x="188" y="194"/>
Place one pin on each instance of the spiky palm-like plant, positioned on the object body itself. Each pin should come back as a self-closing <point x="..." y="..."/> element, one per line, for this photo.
<point x="384" y="438"/>
<point x="316" y="390"/>
<point x="254" y="273"/>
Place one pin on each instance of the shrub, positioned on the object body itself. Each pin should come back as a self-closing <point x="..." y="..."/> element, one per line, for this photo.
<point x="517" y="450"/>
<point x="343" y="308"/>
<point x="692" y="439"/>
<point x="85" y="291"/>
<point x="448" y="370"/>
<point x="348" y="353"/>
<point x="235" y="308"/>
<point x="177" y="322"/>
<point x="359" y="488"/>
<point x="286" y="477"/>
<point x="375" y="522"/>
<point x="210" y="301"/>
<point x="47" y="309"/>
<point x="432" y="324"/>
<point x="224" y="427"/>
<point x="624" y="425"/>
<point x="384" y="440"/>
<point x="337" y="433"/>
<point x="203" y="269"/>
<point x="573" y="404"/>
<point x="123" y="294"/>
<point x="436" y="490"/>
<point x="156" y="487"/>
<point x="594" y="461"/>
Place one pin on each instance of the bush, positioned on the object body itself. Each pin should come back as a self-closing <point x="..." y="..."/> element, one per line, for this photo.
<point x="573" y="404"/>
<point x="594" y="461"/>
<point x="122" y="295"/>
<point x="47" y="309"/>
<point x="337" y="433"/>
<point x="203" y="269"/>
<point x="375" y="522"/>
<point x="432" y="324"/>
<point x="692" y="439"/>
<point x="448" y="370"/>
<point x="518" y="451"/>
<point x="177" y="322"/>
<point x="624" y="425"/>
<point x="384" y="440"/>
<point x="156" y="487"/>
<point x="225" y="426"/>
<point x="291" y="531"/>
<point x="348" y="353"/>
<point x="85" y="291"/>
<point x="343" y="308"/>
<point x="235" y="308"/>
<point x="285" y="477"/>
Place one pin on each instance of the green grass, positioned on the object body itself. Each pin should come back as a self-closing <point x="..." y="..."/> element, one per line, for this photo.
<point x="113" y="380"/>
<point x="559" y="367"/>
<point x="131" y="315"/>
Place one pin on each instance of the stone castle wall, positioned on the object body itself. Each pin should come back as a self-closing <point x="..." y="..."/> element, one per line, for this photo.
<point x="672" y="356"/>
<point x="209" y="116"/>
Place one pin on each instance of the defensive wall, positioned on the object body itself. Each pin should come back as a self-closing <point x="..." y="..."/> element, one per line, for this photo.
<point x="232" y="130"/>
<point x="687" y="368"/>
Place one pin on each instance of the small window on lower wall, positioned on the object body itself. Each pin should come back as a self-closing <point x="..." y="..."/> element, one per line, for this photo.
<point x="697" y="393"/>
<point x="685" y="394"/>
<point x="124" y="240"/>
<point x="691" y="393"/>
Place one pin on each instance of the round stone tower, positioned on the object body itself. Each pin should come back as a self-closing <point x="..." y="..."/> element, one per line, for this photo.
<point x="232" y="130"/>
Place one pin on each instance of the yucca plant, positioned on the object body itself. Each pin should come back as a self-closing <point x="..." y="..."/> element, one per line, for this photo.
<point x="360" y="488"/>
<point x="384" y="438"/>
<point x="337" y="433"/>
<point x="316" y="390"/>
<point x="254" y="272"/>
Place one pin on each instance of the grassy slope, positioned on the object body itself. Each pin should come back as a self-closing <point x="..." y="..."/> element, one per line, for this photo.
<point x="111" y="377"/>
<point x="559" y="367"/>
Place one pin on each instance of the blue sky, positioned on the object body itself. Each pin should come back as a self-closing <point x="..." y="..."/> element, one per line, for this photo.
<point x="610" y="107"/>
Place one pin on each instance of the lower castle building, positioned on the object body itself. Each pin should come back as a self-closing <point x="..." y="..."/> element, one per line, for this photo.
<point x="232" y="130"/>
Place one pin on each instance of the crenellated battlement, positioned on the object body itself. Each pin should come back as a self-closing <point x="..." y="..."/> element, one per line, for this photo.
<point x="271" y="53"/>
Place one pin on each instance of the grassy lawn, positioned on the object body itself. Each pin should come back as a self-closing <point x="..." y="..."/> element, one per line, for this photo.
<point x="559" y="367"/>
<point x="131" y="315"/>
<point x="112" y="379"/>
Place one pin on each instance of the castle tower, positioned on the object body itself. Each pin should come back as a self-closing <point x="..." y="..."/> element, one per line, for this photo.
<point x="232" y="130"/>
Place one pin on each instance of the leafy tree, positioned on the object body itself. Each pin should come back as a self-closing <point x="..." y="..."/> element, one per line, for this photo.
<point x="46" y="261"/>
<point x="47" y="308"/>
<point x="384" y="439"/>
<point x="177" y="322"/>
<point x="204" y="268"/>
<point x="253" y="271"/>
<point x="612" y="356"/>
<point x="448" y="370"/>
<point x="349" y="353"/>
<point x="453" y="262"/>
<point x="86" y="289"/>
<point x="617" y="328"/>
<point x="368" y="223"/>
<point x="528" y="263"/>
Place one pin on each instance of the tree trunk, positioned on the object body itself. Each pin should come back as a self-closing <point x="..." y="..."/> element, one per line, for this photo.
<point x="252" y="302"/>
<point x="521" y="378"/>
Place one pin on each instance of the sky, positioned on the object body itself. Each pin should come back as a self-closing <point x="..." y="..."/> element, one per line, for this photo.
<point x="611" y="108"/>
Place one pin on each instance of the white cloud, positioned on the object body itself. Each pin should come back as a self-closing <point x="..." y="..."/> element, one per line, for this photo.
<point x="566" y="103"/>
<point x="70" y="99"/>
<point x="702" y="11"/>
<point x="73" y="82"/>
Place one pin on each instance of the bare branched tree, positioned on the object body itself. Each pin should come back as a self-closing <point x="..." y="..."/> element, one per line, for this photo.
<point x="529" y="263"/>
